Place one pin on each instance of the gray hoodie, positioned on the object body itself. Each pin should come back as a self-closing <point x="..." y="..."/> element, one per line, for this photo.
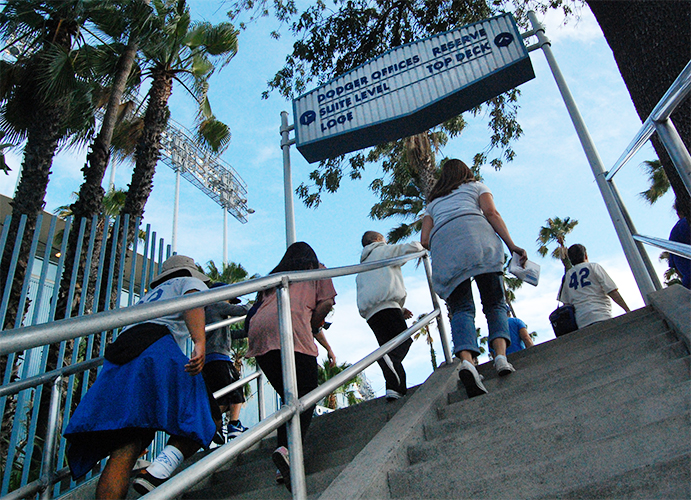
<point x="382" y="288"/>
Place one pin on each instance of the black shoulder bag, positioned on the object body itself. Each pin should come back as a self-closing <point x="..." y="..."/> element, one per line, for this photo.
<point x="563" y="318"/>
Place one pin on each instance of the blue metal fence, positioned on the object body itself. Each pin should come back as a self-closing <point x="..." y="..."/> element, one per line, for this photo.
<point x="126" y="276"/>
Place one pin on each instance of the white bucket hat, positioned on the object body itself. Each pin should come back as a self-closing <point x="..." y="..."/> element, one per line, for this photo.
<point x="179" y="263"/>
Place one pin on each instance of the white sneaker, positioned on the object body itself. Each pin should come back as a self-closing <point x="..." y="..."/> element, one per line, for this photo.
<point x="502" y="365"/>
<point x="471" y="380"/>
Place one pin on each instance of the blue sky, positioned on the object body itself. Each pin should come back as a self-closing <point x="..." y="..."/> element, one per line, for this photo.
<point x="549" y="177"/>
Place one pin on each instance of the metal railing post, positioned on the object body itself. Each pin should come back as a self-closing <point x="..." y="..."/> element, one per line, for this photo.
<point x="677" y="151"/>
<point x="260" y="397"/>
<point x="443" y="334"/>
<point x="49" y="446"/>
<point x="631" y="251"/>
<point x="290" y="391"/>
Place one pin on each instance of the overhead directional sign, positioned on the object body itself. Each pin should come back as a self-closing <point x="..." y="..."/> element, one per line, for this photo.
<point x="411" y="88"/>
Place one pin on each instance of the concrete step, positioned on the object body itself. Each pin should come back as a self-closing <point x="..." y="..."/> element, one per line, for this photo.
<point x="555" y="405"/>
<point x="599" y="370"/>
<point x="503" y="475"/>
<point x="268" y="489"/>
<point x="642" y="483"/>
<point x="545" y="359"/>
<point x="332" y="441"/>
<point x="532" y="437"/>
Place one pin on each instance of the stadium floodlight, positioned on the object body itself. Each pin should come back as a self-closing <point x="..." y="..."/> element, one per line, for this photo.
<point x="207" y="171"/>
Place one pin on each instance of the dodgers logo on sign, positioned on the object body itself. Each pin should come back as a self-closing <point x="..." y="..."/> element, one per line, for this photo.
<point x="503" y="39"/>
<point x="308" y="117"/>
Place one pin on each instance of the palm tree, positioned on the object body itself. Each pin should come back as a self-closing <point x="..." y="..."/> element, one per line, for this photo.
<point x="671" y="275"/>
<point x="556" y="230"/>
<point x="188" y="53"/>
<point x="349" y="390"/>
<point x="124" y="22"/>
<point x="184" y="52"/>
<point x="45" y="97"/>
<point x="111" y="205"/>
<point x="659" y="183"/>
<point x="5" y="145"/>
<point x="230" y="272"/>
<point x="426" y="333"/>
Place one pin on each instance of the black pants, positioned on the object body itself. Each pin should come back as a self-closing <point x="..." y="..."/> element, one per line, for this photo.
<point x="307" y="381"/>
<point x="386" y="325"/>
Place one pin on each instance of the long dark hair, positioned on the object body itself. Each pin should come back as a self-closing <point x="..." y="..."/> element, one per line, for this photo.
<point x="298" y="257"/>
<point x="453" y="174"/>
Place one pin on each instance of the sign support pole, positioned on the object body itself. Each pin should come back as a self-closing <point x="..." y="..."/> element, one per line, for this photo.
<point x="286" y="142"/>
<point x="633" y="255"/>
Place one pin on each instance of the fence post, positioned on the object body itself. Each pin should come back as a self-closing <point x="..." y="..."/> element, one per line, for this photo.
<point x="290" y="392"/>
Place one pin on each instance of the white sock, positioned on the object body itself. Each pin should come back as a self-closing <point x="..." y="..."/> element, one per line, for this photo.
<point x="166" y="462"/>
<point x="497" y="358"/>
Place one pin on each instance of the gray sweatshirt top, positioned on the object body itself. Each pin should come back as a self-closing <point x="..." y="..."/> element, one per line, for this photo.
<point x="218" y="341"/>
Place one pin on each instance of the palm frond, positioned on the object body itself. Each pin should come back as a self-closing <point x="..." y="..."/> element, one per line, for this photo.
<point x="659" y="183"/>
<point x="214" y="134"/>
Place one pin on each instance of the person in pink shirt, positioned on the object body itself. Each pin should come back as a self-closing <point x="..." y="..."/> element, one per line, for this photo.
<point x="310" y="302"/>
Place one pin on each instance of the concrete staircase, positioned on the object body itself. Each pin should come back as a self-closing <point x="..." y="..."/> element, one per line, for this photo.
<point x="333" y="441"/>
<point x="584" y="416"/>
<point x="604" y="412"/>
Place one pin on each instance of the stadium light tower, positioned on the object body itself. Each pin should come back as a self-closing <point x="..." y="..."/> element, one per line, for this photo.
<point x="208" y="172"/>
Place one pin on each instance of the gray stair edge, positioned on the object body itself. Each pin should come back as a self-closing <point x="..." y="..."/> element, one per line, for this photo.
<point x="366" y="477"/>
<point x="673" y="304"/>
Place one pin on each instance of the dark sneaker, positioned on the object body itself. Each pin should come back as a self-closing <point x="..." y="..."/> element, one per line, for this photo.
<point x="145" y="483"/>
<point x="279" y="477"/>
<point x="471" y="380"/>
<point x="281" y="458"/>
<point x="234" y="430"/>
<point x="220" y="436"/>
<point x="392" y="395"/>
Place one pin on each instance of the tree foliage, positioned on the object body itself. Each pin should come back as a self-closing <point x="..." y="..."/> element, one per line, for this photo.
<point x="657" y="178"/>
<point x="349" y="390"/>
<point x="555" y="231"/>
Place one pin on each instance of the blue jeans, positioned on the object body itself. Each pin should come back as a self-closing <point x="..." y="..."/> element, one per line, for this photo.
<point x="462" y="309"/>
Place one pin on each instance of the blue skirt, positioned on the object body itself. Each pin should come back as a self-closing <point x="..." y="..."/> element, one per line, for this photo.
<point x="152" y="392"/>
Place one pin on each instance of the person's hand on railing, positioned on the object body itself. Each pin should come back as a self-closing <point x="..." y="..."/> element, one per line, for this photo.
<point x="407" y="313"/>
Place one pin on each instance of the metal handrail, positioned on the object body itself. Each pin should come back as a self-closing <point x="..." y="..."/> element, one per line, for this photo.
<point x="677" y="92"/>
<point x="29" y="337"/>
<point x="20" y="339"/>
<point x="39" y="485"/>
<point x="221" y="456"/>
<point x="44" y="378"/>
<point x="674" y="247"/>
